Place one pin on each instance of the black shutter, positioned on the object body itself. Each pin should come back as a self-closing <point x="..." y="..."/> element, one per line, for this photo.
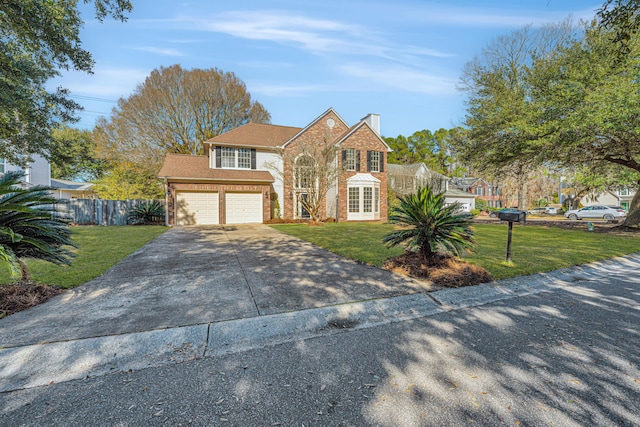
<point x="368" y="161"/>
<point x="381" y="161"/>
<point x="218" y="156"/>
<point x="253" y="158"/>
<point x="358" y="160"/>
<point x="344" y="160"/>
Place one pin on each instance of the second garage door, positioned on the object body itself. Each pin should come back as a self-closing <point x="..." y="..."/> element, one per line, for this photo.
<point x="243" y="208"/>
<point x="194" y="208"/>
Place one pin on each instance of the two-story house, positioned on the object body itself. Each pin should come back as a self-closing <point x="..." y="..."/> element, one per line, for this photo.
<point x="248" y="174"/>
<point x="483" y="190"/>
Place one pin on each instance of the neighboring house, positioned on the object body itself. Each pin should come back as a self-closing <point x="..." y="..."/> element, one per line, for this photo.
<point x="466" y="200"/>
<point x="64" y="189"/>
<point x="482" y="189"/>
<point x="37" y="172"/>
<point x="621" y="197"/>
<point x="406" y="179"/>
<point x="247" y="174"/>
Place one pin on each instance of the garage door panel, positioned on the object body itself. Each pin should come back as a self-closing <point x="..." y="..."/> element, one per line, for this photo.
<point x="243" y="208"/>
<point x="197" y="208"/>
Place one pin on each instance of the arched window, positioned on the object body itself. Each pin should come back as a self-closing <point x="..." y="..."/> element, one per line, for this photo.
<point x="305" y="173"/>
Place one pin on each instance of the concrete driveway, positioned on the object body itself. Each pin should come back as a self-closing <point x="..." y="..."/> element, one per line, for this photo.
<point x="193" y="276"/>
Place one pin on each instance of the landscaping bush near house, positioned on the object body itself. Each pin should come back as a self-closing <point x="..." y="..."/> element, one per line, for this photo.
<point x="147" y="213"/>
<point x="475" y="212"/>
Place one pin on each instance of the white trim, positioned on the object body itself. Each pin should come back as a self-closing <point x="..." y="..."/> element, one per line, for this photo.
<point x="321" y="116"/>
<point x="358" y="126"/>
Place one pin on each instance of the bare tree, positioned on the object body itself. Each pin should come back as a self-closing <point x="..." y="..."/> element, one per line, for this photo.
<point x="310" y="171"/>
<point x="174" y="111"/>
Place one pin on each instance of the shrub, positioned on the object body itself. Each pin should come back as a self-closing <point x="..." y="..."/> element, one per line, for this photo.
<point x="29" y="227"/>
<point x="475" y="212"/>
<point x="430" y="226"/>
<point x="147" y="213"/>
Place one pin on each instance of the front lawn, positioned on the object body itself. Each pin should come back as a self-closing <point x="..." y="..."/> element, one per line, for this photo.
<point x="535" y="249"/>
<point x="100" y="248"/>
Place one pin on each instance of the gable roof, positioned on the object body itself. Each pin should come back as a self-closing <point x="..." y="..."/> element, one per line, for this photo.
<point x="409" y="169"/>
<point x="301" y="131"/>
<point x="256" y="135"/>
<point x="357" y="126"/>
<point x="412" y="168"/>
<point x="63" y="184"/>
<point x="465" y="182"/>
<point x="184" y="166"/>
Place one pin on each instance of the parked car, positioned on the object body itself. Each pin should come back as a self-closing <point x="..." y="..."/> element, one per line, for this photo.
<point x="591" y="212"/>
<point x="494" y="214"/>
<point x="542" y="211"/>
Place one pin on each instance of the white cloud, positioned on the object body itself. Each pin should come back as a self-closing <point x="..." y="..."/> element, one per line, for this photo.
<point x="318" y="36"/>
<point x="402" y="78"/>
<point x="484" y="17"/>
<point x="165" y="51"/>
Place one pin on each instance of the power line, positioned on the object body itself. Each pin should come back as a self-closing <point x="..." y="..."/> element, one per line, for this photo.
<point x="93" y="98"/>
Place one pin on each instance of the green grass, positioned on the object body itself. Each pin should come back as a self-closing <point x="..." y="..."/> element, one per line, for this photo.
<point x="100" y="248"/>
<point x="534" y="249"/>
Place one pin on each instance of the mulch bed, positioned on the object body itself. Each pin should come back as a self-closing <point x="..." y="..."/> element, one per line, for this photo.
<point x="443" y="270"/>
<point x="20" y="296"/>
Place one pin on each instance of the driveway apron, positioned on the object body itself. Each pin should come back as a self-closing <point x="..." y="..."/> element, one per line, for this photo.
<point x="190" y="276"/>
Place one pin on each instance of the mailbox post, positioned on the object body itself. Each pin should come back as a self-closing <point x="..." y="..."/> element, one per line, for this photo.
<point x="511" y="217"/>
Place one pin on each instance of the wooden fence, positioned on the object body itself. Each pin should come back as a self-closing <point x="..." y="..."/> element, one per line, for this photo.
<point x="98" y="211"/>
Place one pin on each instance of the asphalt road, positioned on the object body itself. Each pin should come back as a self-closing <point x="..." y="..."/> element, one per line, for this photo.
<point x="566" y="356"/>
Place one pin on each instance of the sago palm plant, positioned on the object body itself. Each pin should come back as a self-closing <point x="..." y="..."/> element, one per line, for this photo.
<point x="147" y="213"/>
<point x="29" y="228"/>
<point x="429" y="226"/>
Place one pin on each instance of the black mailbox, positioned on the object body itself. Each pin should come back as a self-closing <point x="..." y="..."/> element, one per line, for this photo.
<point x="513" y="216"/>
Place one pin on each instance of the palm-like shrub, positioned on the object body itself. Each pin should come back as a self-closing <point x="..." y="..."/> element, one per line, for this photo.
<point x="429" y="226"/>
<point x="29" y="227"/>
<point x="146" y="213"/>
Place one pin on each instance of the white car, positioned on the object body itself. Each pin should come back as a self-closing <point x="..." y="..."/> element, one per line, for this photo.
<point x="593" y="212"/>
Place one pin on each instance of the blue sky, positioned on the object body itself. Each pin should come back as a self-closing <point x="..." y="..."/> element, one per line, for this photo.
<point x="401" y="59"/>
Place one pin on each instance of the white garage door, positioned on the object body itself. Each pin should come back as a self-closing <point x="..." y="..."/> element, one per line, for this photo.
<point x="195" y="208"/>
<point x="243" y="208"/>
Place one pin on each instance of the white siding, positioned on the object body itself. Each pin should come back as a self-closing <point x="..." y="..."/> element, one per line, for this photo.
<point x="272" y="162"/>
<point x="39" y="173"/>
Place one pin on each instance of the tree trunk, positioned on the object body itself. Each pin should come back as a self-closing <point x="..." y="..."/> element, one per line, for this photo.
<point x="24" y="270"/>
<point x="633" y="219"/>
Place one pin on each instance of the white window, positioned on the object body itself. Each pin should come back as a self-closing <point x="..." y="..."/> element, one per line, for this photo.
<point x="623" y="192"/>
<point x="367" y="199"/>
<point x="3" y="166"/>
<point x="231" y="157"/>
<point x="350" y="159"/>
<point x="228" y="157"/>
<point x="305" y="173"/>
<point x="376" y="199"/>
<point x="354" y="199"/>
<point x="244" y="158"/>
<point x="374" y="161"/>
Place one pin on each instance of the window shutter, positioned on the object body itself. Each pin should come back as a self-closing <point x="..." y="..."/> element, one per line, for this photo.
<point x="368" y="161"/>
<point x="253" y="158"/>
<point x="344" y="160"/>
<point x="357" y="160"/>
<point x="218" y="156"/>
<point x="381" y="169"/>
